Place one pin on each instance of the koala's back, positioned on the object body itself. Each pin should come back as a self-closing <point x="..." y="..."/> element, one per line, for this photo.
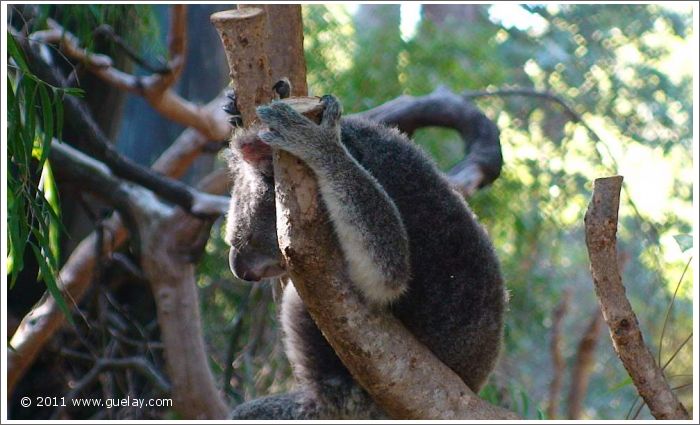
<point x="455" y="299"/>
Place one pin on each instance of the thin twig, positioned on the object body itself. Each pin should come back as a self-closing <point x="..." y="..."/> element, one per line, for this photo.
<point x="670" y="306"/>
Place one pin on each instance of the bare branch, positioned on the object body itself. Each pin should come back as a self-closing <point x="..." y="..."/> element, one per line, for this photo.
<point x="573" y="116"/>
<point x="155" y="88"/>
<point x="92" y="175"/>
<point x="286" y="59"/>
<point x="95" y="143"/>
<point x="381" y="353"/>
<point x="443" y="108"/>
<point x="168" y="236"/>
<point x="375" y="346"/>
<point x="601" y="239"/>
<point x="45" y="318"/>
<point x="583" y="366"/>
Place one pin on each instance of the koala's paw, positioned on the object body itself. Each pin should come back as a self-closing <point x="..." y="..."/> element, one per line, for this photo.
<point x="273" y="138"/>
<point x="296" y="134"/>
<point x="282" y="117"/>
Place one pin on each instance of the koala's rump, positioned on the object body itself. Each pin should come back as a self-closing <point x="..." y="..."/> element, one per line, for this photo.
<point x="455" y="300"/>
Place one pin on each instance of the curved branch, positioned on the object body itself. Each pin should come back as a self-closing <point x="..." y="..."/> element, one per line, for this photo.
<point x="601" y="240"/>
<point x="381" y="353"/>
<point x="573" y="116"/>
<point x="443" y="108"/>
<point x="169" y="238"/>
<point x="45" y="318"/>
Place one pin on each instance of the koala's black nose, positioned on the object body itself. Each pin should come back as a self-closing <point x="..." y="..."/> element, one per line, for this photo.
<point x="237" y="266"/>
<point x="253" y="268"/>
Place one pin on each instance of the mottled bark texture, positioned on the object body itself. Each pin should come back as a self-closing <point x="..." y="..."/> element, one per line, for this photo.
<point x="400" y="374"/>
<point x="242" y="33"/>
<point x="170" y="240"/>
<point x="284" y="44"/>
<point x="601" y="240"/>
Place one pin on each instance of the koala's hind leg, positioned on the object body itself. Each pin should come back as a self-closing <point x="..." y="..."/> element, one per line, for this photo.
<point x="367" y="222"/>
<point x="339" y="401"/>
<point x="294" y="405"/>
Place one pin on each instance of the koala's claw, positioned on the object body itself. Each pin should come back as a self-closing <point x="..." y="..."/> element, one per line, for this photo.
<point x="332" y="110"/>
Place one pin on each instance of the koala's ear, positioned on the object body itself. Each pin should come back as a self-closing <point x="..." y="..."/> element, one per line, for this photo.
<point x="253" y="150"/>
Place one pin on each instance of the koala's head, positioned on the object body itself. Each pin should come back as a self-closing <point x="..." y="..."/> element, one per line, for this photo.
<point x="251" y="223"/>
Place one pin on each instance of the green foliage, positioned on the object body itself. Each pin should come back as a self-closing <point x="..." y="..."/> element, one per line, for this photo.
<point x="135" y="23"/>
<point x="35" y="117"/>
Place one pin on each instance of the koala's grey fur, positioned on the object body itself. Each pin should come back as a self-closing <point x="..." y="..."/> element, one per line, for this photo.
<point x="411" y="245"/>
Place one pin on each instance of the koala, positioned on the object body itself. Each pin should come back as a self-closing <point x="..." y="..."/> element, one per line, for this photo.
<point x="410" y="243"/>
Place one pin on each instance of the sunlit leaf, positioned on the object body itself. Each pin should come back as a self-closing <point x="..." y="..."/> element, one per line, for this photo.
<point x="49" y="277"/>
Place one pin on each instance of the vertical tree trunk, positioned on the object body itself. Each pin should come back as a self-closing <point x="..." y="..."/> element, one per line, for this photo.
<point x="557" y="357"/>
<point x="168" y="267"/>
<point x="583" y="365"/>
<point x="243" y="34"/>
<point x="284" y="44"/>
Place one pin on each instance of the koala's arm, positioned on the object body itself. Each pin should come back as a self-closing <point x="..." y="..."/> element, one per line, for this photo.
<point x="368" y="224"/>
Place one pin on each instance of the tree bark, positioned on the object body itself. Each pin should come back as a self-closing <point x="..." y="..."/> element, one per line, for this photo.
<point x="95" y="143"/>
<point x="242" y="33"/>
<point x="37" y="328"/>
<point x="400" y="373"/>
<point x="168" y="266"/>
<point x="286" y="57"/>
<point x="601" y="240"/>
